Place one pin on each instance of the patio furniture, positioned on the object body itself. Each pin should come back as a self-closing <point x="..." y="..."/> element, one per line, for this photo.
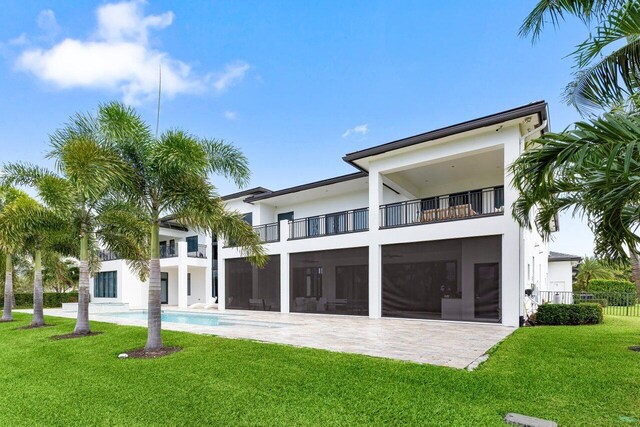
<point x="258" y="304"/>
<point x="451" y="212"/>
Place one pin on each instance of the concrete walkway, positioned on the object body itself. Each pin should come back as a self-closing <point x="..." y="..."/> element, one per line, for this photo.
<point x="452" y="344"/>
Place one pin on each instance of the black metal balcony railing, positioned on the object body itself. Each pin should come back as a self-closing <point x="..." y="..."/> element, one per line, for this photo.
<point x="268" y="233"/>
<point x="201" y="252"/>
<point x="329" y="224"/>
<point x="468" y="204"/>
<point x="107" y="255"/>
<point x="170" y="251"/>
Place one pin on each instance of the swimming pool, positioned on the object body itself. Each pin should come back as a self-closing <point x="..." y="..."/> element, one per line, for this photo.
<point x="194" y="319"/>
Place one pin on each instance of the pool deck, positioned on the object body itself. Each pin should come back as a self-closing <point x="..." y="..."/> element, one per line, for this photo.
<point x="452" y="344"/>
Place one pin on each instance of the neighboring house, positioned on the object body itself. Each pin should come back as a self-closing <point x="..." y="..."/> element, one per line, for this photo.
<point x="423" y="229"/>
<point x="561" y="272"/>
<point x="185" y="265"/>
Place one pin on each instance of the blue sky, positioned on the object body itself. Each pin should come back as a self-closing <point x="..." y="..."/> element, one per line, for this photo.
<point x="295" y="84"/>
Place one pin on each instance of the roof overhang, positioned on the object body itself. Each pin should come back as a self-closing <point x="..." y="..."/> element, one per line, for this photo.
<point x="538" y="108"/>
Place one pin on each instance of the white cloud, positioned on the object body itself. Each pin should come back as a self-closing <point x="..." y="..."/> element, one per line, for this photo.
<point x="230" y="115"/>
<point x="360" y="130"/>
<point x="118" y="57"/>
<point x="47" y="22"/>
<point x="233" y="74"/>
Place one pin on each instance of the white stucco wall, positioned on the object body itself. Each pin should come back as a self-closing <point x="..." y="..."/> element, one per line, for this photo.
<point x="560" y="277"/>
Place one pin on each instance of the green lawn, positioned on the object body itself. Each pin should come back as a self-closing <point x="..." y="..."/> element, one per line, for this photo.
<point x="574" y="375"/>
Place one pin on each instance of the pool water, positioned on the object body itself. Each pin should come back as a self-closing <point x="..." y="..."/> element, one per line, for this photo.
<point x="194" y="319"/>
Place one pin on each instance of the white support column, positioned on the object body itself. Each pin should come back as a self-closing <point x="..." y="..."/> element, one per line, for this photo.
<point x="208" y="278"/>
<point x="285" y="298"/>
<point x="182" y="275"/>
<point x="375" y="268"/>
<point x="222" y="294"/>
<point x="511" y="280"/>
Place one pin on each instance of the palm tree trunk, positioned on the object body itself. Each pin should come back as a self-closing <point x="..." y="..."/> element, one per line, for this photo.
<point x="635" y="269"/>
<point x="38" y="314"/>
<point x="154" y="331"/>
<point x="82" y="323"/>
<point x="8" y="290"/>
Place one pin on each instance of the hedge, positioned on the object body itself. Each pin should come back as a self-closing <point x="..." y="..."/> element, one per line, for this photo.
<point x="569" y="314"/>
<point x="51" y="299"/>
<point x="616" y="292"/>
<point x="602" y="301"/>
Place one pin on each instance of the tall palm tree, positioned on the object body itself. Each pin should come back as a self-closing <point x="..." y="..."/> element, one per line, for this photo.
<point x="38" y="230"/>
<point x="9" y="249"/>
<point x="171" y="178"/>
<point x="89" y="170"/>
<point x="608" y="62"/>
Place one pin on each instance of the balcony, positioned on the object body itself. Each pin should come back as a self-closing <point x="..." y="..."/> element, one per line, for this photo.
<point x="107" y="255"/>
<point x="168" y="251"/>
<point x="329" y="224"/>
<point x="268" y="233"/>
<point x="199" y="252"/>
<point x="450" y="207"/>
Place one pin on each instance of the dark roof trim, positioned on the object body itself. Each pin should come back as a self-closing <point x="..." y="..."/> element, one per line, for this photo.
<point x="538" y="107"/>
<point x="250" y="192"/>
<point x="558" y="256"/>
<point x="309" y="186"/>
<point x="172" y="225"/>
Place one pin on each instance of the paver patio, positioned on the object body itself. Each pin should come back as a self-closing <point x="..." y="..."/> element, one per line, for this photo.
<point x="452" y="344"/>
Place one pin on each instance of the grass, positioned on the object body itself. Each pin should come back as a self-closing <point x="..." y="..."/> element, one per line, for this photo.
<point x="573" y="375"/>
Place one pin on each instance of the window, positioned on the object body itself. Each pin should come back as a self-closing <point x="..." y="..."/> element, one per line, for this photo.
<point x="336" y="223"/>
<point x="248" y="218"/>
<point x="188" y="284"/>
<point x="313" y="226"/>
<point x="105" y="284"/>
<point x="192" y="244"/>
<point x="285" y="215"/>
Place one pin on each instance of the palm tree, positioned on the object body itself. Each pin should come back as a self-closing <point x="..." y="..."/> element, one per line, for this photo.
<point x="38" y="230"/>
<point x="591" y="169"/>
<point x="592" y="268"/>
<point x="608" y="62"/>
<point x="171" y="178"/>
<point x="8" y="248"/>
<point x="90" y="169"/>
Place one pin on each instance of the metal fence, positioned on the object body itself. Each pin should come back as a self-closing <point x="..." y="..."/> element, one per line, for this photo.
<point x="613" y="303"/>
<point x="268" y="233"/>
<point x="468" y="204"/>
<point x="329" y="224"/>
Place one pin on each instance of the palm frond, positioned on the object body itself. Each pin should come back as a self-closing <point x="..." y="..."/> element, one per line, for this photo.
<point x="227" y="160"/>
<point x="555" y="12"/>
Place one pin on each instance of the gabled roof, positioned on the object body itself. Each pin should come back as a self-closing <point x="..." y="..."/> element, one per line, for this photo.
<point x="250" y="192"/>
<point x="558" y="256"/>
<point x="538" y="107"/>
<point x="308" y="186"/>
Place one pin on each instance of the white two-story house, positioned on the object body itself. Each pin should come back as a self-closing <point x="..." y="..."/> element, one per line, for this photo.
<point x="186" y="272"/>
<point x="421" y="229"/>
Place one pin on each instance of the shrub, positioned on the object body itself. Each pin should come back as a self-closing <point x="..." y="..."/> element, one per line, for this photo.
<point x="616" y="292"/>
<point x="50" y="299"/>
<point x="569" y="314"/>
<point x="588" y="300"/>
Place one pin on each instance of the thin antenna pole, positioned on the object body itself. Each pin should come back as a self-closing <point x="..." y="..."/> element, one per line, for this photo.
<point x="159" y="93"/>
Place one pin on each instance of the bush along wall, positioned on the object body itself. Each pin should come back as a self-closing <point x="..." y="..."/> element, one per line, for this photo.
<point x="569" y="314"/>
<point x="51" y="299"/>
<point x="615" y="292"/>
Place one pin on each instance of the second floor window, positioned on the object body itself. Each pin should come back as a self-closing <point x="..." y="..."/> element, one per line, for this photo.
<point x="192" y="244"/>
